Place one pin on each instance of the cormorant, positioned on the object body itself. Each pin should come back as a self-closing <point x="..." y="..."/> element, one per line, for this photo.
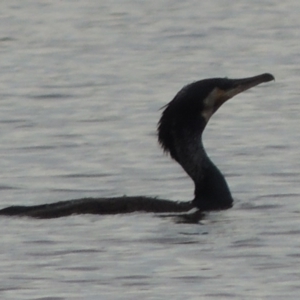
<point x="179" y="133"/>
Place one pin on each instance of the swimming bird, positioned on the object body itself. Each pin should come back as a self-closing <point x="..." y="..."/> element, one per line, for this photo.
<point x="180" y="134"/>
<point x="180" y="131"/>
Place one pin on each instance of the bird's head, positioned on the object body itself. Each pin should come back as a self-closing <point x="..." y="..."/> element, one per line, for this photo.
<point x="190" y="110"/>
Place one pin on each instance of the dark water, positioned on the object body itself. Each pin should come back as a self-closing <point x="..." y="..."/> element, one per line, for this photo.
<point x="81" y="86"/>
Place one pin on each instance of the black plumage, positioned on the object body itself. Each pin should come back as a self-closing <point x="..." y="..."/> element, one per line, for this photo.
<point x="180" y="133"/>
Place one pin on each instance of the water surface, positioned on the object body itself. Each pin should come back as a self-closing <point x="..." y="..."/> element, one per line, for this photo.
<point x="81" y="86"/>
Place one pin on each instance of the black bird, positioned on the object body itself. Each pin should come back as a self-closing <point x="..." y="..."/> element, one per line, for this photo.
<point x="180" y="133"/>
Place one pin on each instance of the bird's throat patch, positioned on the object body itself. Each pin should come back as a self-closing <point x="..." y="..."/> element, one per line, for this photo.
<point x="212" y="103"/>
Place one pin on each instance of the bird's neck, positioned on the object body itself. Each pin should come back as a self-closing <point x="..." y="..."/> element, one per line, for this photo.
<point x="211" y="189"/>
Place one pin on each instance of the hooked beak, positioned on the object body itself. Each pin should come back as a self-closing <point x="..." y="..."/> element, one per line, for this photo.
<point x="241" y="85"/>
<point x="228" y="89"/>
<point x="237" y="86"/>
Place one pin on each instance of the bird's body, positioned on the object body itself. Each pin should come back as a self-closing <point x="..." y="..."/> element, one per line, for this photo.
<point x="179" y="133"/>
